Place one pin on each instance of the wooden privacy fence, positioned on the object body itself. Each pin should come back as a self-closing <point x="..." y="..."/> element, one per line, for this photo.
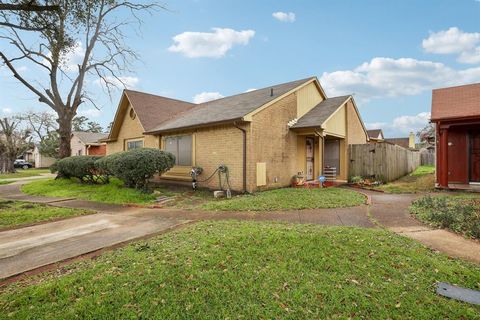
<point x="382" y="160"/>
<point x="427" y="158"/>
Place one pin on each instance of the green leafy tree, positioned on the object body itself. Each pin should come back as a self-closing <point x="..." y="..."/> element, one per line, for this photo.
<point x="49" y="145"/>
<point x="93" y="126"/>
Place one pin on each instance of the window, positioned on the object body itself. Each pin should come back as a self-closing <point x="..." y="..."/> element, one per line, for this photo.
<point x="181" y="148"/>
<point x="134" y="144"/>
<point x="132" y="114"/>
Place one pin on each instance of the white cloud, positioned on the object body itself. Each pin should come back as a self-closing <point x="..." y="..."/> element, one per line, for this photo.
<point x="454" y="41"/>
<point x="402" y="125"/>
<point x="407" y="124"/>
<point x="284" y="16"/>
<point x="375" y="125"/>
<point x="7" y="110"/>
<point x="74" y="57"/>
<point x="387" y="77"/>
<point x="250" y="90"/>
<point x="90" y="113"/>
<point x="210" y="44"/>
<point x="207" y="96"/>
<point x="127" y="81"/>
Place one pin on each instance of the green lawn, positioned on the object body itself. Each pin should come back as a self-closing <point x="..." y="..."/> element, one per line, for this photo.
<point x="5" y="182"/>
<point x="289" y="199"/>
<point x="114" y="192"/>
<point x="422" y="170"/>
<point x="17" y="213"/>
<point x="457" y="212"/>
<point x="251" y="270"/>
<point x="21" y="173"/>
<point x="421" y="180"/>
<point x="280" y="199"/>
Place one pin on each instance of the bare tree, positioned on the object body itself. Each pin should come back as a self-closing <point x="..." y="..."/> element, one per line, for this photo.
<point x="42" y="124"/>
<point x="91" y="25"/>
<point x="14" y="141"/>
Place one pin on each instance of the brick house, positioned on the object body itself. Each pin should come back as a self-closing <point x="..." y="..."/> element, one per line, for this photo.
<point x="264" y="137"/>
<point x="456" y="114"/>
<point x="88" y="143"/>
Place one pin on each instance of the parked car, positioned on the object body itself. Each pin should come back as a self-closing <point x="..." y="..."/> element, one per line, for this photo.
<point x="20" y="163"/>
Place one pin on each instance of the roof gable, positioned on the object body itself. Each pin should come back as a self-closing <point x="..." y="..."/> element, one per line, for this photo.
<point x="456" y="102"/>
<point x="375" y="134"/>
<point x="149" y="109"/>
<point x="319" y="114"/>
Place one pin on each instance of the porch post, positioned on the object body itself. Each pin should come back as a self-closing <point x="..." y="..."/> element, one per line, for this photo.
<point x="443" y="163"/>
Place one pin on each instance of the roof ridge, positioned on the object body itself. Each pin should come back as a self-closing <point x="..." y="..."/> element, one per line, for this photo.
<point x="457" y="86"/>
<point x="275" y="85"/>
<point x="158" y="96"/>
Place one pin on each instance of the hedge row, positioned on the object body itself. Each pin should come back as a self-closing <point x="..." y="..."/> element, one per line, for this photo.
<point x="134" y="167"/>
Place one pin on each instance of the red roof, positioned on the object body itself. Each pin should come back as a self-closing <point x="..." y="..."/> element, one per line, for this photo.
<point x="456" y="102"/>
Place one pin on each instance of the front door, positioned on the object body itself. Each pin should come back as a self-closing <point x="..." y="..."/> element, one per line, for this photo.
<point x="310" y="147"/>
<point x="475" y="156"/>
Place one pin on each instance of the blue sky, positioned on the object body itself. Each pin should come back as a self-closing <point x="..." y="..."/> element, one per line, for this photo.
<point x="389" y="54"/>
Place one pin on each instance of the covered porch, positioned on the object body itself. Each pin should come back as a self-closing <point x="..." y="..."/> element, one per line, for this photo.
<point x="320" y="154"/>
<point x="458" y="155"/>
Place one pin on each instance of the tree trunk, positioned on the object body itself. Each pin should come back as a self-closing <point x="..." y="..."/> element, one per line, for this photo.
<point x="6" y="164"/>
<point x="65" y="134"/>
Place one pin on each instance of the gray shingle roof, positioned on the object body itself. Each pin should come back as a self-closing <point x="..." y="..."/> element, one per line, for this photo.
<point x="374" y="133"/>
<point x="317" y="116"/>
<point x="228" y="108"/>
<point x="90" y="137"/>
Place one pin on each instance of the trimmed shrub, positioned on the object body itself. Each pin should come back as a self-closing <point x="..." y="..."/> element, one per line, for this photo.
<point x="80" y="167"/>
<point x="107" y="163"/>
<point x="135" y="167"/>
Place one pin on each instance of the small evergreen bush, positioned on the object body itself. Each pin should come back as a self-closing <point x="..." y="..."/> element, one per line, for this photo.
<point x="80" y="167"/>
<point x="135" y="167"/>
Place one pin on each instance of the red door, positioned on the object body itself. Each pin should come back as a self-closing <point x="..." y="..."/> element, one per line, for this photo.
<point x="457" y="155"/>
<point x="475" y="157"/>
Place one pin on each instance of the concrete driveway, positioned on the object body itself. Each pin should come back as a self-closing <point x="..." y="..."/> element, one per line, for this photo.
<point x="36" y="246"/>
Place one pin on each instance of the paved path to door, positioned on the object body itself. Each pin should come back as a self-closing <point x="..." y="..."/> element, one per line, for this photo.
<point x="391" y="211"/>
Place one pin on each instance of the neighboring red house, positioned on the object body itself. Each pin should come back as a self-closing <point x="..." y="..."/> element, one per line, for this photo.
<point x="456" y="114"/>
<point x="88" y="143"/>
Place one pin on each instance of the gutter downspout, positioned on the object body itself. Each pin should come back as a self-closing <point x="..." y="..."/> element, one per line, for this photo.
<point x="244" y="133"/>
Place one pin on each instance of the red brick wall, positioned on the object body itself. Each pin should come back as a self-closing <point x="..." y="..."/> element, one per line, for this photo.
<point x="97" y="150"/>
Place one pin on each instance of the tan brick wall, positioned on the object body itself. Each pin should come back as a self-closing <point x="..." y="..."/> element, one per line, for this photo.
<point x="271" y="141"/>
<point x="131" y="129"/>
<point x="220" y="145"/>
<point x="77" y="145"/>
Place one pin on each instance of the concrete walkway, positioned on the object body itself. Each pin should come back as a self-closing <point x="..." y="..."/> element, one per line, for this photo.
<point x="41" y="176"/>
<point x="44" y="244"/>
<point x="391" y="211"/>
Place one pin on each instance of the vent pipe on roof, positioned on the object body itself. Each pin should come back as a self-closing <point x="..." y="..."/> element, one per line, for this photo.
<point x="271" y="92"/>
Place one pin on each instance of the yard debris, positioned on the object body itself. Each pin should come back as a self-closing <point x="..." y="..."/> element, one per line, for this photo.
<point x="218" y="194"/>
<point x="458" y="293"/>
